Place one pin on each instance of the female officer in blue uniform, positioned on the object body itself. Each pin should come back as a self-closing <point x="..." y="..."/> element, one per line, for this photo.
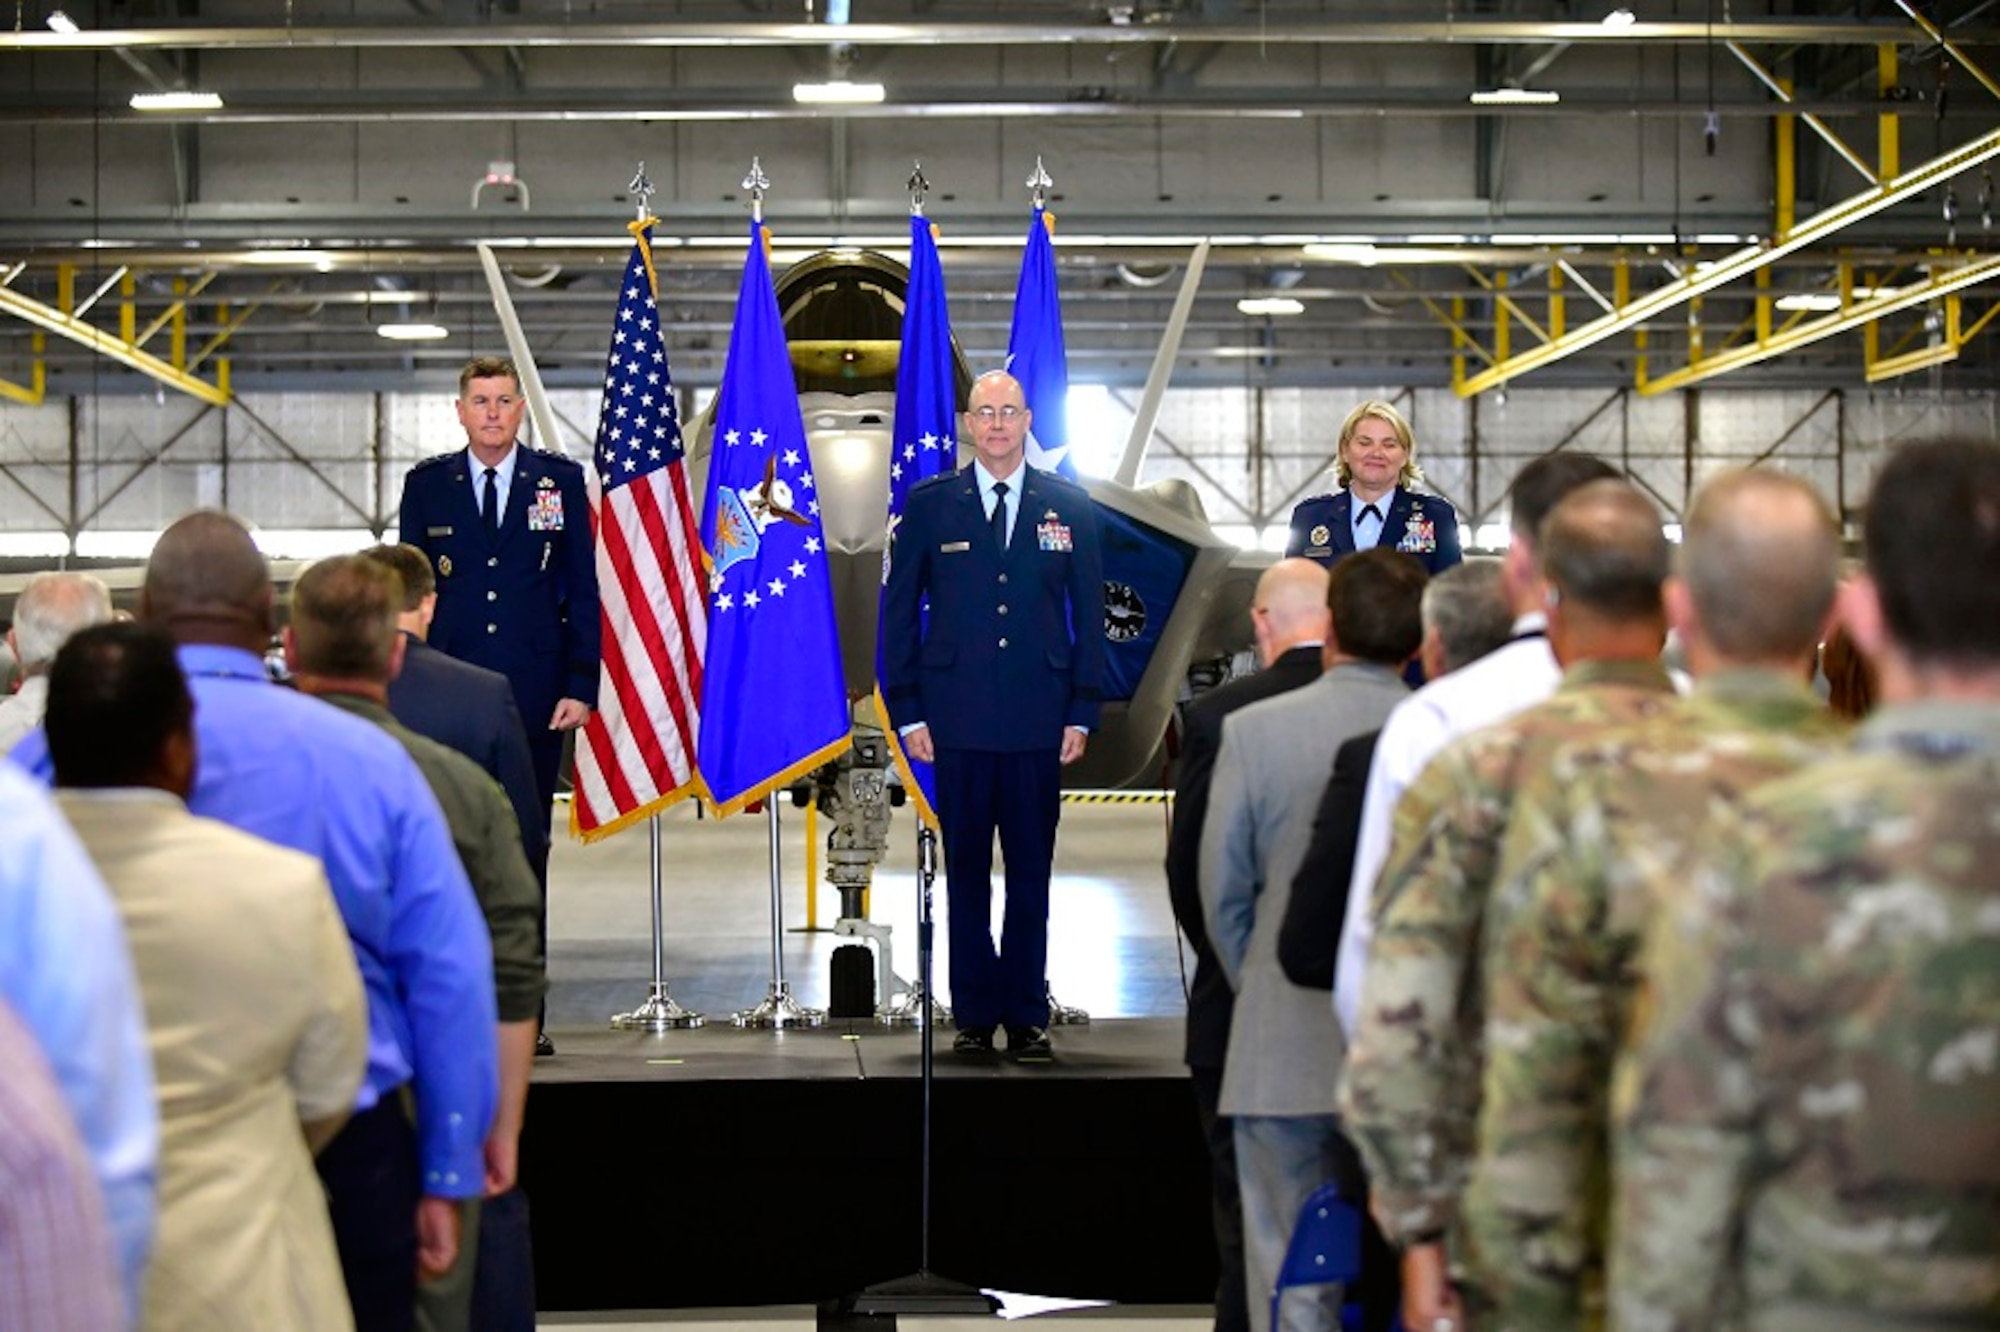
<point x="1376" y="464"/>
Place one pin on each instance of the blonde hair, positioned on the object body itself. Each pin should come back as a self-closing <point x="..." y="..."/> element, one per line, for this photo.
<point x="1380" y="411"/>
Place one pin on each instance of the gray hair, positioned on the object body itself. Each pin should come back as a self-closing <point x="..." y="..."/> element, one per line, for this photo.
<point x="52" y="607"/>
<point x="1468" y="606"/>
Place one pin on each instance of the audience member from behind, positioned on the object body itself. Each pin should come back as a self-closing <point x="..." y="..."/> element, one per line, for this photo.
<point x="58" y="1272"/>
<point x="253" y="1004"/>
<point x="1808" y="1136"/>
<point x="1465" y="615"/>
<point x="51" y="607"/>
<point x="1412" y="1090"/>
<point x="1289" y="618"/>
<point x="1600" y="852"/>
<point x="342" y="646"/>
<point x="1284" y="1046"/>
<point x="1496" y="687"/>
<point x="294" y="771"/>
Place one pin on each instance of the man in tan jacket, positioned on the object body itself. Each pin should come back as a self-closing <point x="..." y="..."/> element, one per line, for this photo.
<point x="254" y="1007"/>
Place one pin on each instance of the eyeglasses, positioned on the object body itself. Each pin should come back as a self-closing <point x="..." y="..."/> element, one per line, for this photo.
<point x="1008" y="413"/>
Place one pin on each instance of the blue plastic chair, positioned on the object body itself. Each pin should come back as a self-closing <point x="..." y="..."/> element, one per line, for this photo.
<point x="1325" y="1246"/>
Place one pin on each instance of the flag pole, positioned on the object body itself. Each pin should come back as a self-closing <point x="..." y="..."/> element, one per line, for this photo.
<point x="779" y="1009"/>
<point x="659" y="1012"/>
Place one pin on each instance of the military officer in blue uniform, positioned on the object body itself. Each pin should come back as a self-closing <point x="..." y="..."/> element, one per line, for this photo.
<point x="1376" y="465"/>
<point x="508" y="531"/>
<point x="998" y="689"/>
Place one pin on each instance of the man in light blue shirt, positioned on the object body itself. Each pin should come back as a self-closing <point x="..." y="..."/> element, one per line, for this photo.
<point x="65" y="970"/>
<point x="301" y="773"/>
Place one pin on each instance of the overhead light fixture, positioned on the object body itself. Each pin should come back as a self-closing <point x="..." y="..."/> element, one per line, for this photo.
<point x="1811" y="302"/>
<point x="838" y="92"/>
<point x="1516" y="97"/>
<point x="178" y="100"/>
<point x="1363" y="254"/>
<point x="1270" y="305"/>
<point x="412" y="332"/>
<point x="1620" y="18"/>
<point x="62" y="23"/>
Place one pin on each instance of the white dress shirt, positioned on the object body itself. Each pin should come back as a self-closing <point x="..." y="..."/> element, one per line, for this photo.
<point x="1510" y="680"/>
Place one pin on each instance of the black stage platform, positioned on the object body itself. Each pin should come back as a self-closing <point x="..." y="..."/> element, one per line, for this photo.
<point x="723" y="1167"/>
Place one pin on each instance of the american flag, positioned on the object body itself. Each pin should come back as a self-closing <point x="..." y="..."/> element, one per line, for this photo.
<point x="636" y="755"/>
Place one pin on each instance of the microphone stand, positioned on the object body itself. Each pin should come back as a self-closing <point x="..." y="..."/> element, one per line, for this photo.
<point x="922" y="1293"/>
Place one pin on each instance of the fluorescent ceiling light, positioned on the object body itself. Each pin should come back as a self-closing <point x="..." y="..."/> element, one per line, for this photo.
<point x="1620" y="18"/>
<point x="838" y="92"/>
<point x="1811" y="301"/>
<point x="1516" y="97"/>
<point x="1365" y="255"/>
<point x="178" y="100"/>
<point x="1270" y="305"/>
<point x="412" y="332"/>
<point x="62" y="23"/>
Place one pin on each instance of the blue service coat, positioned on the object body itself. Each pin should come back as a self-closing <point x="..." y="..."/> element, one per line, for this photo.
<point x="525" y="602"/>
<point x="998" y="667"/>
<point x="1425" y="526"/>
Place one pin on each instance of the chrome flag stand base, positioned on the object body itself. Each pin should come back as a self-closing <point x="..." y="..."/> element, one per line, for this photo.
<point x="1060" y="1016"/>
<point x="779" y="1011"/>
<point x="907" y="1009"/>
<point x="659" y="1012"/>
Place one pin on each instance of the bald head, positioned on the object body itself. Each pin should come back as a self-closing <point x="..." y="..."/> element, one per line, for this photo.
<point x="51" y="607"/>
<point x="1604" y="554"/>
<point x="207" y="583"/>
<point x="1290" y="607"/>
<point x="1761" y="558"/>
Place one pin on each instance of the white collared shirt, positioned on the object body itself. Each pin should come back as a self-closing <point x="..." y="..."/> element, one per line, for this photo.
<point x="1509" y="680"/>
<point x="1367" y="532"/>
<point x="1012" y="499"/>
<point x="503" y="478"/>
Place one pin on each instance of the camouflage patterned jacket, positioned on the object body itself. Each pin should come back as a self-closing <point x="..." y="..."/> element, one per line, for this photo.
<point x="1600" y="838"/>
<point x="1813" y="1112"/>
<point x="1410" y="1097"/>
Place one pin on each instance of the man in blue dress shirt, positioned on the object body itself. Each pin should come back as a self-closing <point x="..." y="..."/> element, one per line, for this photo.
<point x="295" y="771"/>
<point x="999" y="689"/>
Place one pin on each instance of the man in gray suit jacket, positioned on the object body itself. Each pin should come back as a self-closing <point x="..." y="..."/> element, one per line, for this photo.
<point x="1285" y="1047"/>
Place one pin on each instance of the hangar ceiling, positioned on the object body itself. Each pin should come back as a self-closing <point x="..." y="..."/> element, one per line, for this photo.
<point x="1708" y="166"/>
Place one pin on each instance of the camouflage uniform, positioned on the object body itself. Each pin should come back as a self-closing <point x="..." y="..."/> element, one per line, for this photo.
<point x="1600" y="838"/>
<point x="1813" y="1113"/>
<point x="1411" y="1095"/>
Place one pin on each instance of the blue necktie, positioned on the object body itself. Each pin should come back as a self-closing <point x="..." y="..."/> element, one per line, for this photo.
<point x="491" y="515"/>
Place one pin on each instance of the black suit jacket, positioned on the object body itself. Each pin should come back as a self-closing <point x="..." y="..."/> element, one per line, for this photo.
<point x="471" y="709"/>
<point x="1211" y="1002"/>
<point x="1309" y="939"/>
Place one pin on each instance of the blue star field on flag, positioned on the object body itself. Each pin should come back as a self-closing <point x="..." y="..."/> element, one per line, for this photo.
<point x="1035" y="352"/>
<point x="923" y="441"/>
<point x="774" y="705"/>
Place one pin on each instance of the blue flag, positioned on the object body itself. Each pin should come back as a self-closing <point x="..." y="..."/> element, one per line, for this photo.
<point x="925" y="443"/>
<point x="774" y="703"/>
<point x="1035" y="352"/>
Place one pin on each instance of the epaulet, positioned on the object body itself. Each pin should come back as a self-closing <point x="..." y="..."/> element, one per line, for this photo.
<point x="437" y="460"/>
<point x="1061" y="482"/>
<point x="557" y="459"/>
<point x="932" y="482"/>
<point x="1325" y="496"/>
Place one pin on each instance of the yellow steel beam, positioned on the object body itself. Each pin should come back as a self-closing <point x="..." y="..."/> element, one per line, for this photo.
<point x="1783" y="92"/>
<point x="1940" y="284"/>
<point x="229" y="321"/>
<point x="1558" y="311"/>
<point x="1946" y="349"/>
<point x="1888" y="144"/>
<point x="177" y="312"/>
<point x="31" y="393"/>
<point x="1742" y="264"/>
<point x="89" y="335"/>
<point x="1497" y="285"/>
<point x="1952" y="48"/>
<point x="1461" y="339"/>
<point x="1786" y="166"/>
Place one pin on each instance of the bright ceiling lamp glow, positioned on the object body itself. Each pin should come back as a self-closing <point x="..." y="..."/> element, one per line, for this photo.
<point x="1364" y="254"/>
<point x="1620" y="18"/>
<point x="311" y="543"/>
<point x="412" y="332"/>
<point x="838" y="92"/>
<point x="116" y="545"/>
<point x="178" y="100"/>
<point x="62" y="23"/>
<point x="1822" y="302"/>
<point x="1270" y="305"/>
<point x="1515" y="97"/>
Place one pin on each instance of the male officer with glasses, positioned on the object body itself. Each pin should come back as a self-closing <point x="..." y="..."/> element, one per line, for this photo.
<point x="998" y="688"/>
